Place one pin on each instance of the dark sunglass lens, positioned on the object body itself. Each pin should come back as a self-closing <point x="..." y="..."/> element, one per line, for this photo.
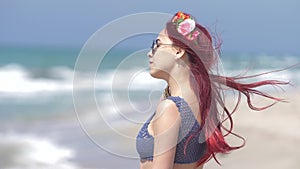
<point x="153" y="44"/>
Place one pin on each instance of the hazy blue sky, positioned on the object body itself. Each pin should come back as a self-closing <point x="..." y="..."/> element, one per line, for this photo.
<point x="252" y="26"/>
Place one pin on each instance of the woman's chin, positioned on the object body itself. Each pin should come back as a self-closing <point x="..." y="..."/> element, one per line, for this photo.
<point x="152" y="73"/>
<point x="156" y="74"/>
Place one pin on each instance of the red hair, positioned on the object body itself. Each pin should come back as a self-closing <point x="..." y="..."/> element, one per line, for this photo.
<point x="208" y="86"/>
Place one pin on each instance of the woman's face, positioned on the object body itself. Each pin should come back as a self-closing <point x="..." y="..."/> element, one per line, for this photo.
<point x="162" y="56"/>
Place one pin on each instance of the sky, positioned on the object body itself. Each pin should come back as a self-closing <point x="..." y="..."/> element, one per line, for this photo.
<point x="262" y="26"/>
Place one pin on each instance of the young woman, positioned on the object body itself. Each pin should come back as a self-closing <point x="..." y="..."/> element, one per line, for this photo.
<point x="187" y="128"/>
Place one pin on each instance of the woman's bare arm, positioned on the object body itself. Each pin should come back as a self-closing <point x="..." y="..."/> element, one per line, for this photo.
<point x="166" y="127"/>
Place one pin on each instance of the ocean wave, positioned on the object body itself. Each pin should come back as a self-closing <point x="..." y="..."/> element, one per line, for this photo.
<point x="31" y="152"/>
<point x="16" y="80"/>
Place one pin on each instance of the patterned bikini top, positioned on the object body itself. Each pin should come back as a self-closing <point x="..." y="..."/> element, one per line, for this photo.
<point x="196" y="147"/>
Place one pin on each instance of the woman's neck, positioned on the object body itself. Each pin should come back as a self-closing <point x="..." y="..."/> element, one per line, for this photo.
<point x="179" y="82"/>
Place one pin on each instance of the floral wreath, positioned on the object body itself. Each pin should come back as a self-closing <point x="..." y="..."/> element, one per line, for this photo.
<point x="185" y="25"/>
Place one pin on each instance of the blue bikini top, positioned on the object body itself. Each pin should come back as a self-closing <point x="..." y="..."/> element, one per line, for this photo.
<point x="196" y="147"/>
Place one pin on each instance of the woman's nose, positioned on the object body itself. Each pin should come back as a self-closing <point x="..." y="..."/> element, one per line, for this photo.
<point x="149" y="54"/>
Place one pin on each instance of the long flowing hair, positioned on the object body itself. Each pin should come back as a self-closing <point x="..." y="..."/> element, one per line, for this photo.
<point x="203" y="54"/>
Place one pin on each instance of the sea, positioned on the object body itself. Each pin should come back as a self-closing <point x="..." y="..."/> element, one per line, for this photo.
<point x="56" y="114"/>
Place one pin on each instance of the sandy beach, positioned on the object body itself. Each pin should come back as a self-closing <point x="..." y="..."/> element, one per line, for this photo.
<point x="272" y="137"/>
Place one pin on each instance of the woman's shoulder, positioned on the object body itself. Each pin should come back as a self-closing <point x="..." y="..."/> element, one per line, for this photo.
<point x="166" y="116"/>
<point x="167" y="107"/>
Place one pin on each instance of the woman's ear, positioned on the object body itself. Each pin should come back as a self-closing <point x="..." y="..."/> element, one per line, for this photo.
<point x="179" y="53"/>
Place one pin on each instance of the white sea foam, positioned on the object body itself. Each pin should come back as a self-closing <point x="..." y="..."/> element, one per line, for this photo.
<point x="16" y="80"/>
<point x="31" y="152"/>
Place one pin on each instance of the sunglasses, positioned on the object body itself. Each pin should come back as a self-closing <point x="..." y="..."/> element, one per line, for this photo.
<point x="156" y="44"/>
